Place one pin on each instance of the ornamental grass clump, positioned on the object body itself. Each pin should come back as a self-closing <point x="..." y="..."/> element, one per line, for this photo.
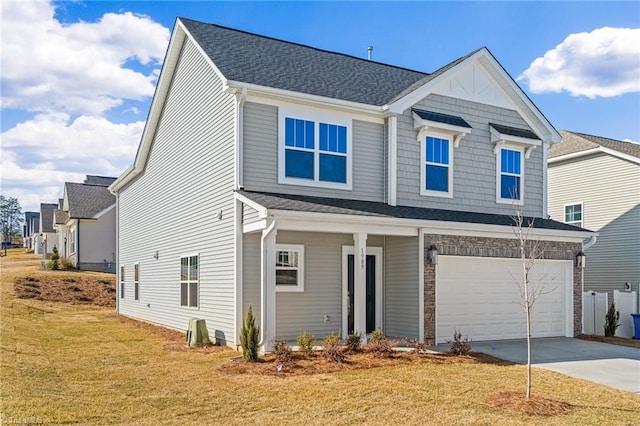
<point x="354" y="342"/>
<point x="305" y="342"/>
<point x="379" y="345"/>
<point x="331" y="349"/>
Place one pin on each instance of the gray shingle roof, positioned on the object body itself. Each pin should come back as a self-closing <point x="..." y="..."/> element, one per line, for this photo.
<point x="265" y="61"/>
<point x="85" y="201"/>
<point x="441" y="118"/>
<point x="303" y="203"/>
<point x="514" y="131"/>
<point x="60" y="217"/>
<point x="576" y="142"/>
<point x="46" y="217"/>
<point x="99" y="180"/>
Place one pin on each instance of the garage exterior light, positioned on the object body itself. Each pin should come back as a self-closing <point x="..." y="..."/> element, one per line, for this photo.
<point x="581" y="259"/>
<point x="432" y="254"/>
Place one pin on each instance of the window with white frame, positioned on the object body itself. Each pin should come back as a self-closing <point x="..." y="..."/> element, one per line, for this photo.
<point x="289" y="267"/>
<point x="315" y="150"/>
<point x="122" y="282"/>
<point x="510" y="176"/>
<point x="136" y="281"/>
<point x="72" y="241"/>
<point x="573" y="214"/>
<point x="437" y="170"/>
<point x="189" y="281"/>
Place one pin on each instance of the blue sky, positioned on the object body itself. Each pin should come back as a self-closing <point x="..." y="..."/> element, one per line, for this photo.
<point x="75" y="104"/>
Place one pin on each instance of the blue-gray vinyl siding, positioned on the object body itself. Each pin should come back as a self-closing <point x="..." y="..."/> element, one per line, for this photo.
<point x="171" y="208"/>
<point x="401" y="290"/>
<point x="260" y="154"/>
<point x="474" y="163"/>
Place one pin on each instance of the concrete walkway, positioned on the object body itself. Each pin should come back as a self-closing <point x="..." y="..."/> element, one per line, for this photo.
<point x="611" y="365"/>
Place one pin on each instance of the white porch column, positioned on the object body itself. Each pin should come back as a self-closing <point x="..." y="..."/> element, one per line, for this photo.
<point x="359" y="282"/>
<point x="268" y="313"/>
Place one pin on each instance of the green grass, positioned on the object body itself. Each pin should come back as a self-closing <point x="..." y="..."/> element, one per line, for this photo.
<point x="64" y="363"/>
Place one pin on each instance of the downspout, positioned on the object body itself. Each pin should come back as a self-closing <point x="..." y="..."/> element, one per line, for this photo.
<point x="586" y="244"/>
<point x="263" y="281"/>
<point x="240" y="98"/>
<point x="117" y="259"/>
<point x="78" y="244"/>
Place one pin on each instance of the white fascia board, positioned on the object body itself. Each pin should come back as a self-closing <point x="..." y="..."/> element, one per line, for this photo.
<point x="344" y="223"/>
<point x="157" y="103"/>
<point x="597" y="150"/>
<point x="257" y="226"/>
<point x="262" y="211"/>
<point x="259" y="93"/>
<point x="105" y="211"/>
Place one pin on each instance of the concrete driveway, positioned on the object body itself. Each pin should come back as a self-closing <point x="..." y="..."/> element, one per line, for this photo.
<point x="611" y="365"/>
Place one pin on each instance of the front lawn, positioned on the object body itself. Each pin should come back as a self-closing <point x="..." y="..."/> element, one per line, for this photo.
<point x="66" y="362"/>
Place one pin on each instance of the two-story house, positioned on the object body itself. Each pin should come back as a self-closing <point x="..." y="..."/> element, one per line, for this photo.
<point x="594" y="183"/>
<point x="31" y="229"/>
<point x="334" y="193"/>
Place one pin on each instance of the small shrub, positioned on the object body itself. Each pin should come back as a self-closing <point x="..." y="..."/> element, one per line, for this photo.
<point x="305" y="342"/>
<point x="459" y="346"/>
<point x="354" y="341"/>
<point x="32" y="279"/>
<point x="84" y="299"/>
<point x="381" y="348"/>
<point x="32" y="284"/>
<point x="331" y="349"/>
<point x="105" y="282"/>
<point x="377" y="336"/>
<point x="420" y="347"/>
<point x="55" y="257"/>
<point x="69" y="280"/>
<point x="65" y="264"/>
<point x="612" y="319"/>
<point x="282" y="351"/>
<point x="249" y="337"/>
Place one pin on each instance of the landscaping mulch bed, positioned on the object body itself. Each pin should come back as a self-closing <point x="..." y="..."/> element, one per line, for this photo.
<point x="516" y="402"/>
<point x="632" y="343"/>
<point x="303" y="365"/>
<point x="77" y="290"/>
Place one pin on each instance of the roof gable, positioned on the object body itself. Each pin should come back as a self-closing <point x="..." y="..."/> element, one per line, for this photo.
<point x="86" y="201"/>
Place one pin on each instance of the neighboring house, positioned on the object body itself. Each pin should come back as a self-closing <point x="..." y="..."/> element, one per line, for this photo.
<point x="31" y="229"/>
<point x="47" y="237"/>
<point x="594" y="182"/>
<point x="60" y="219"/>
<point x="87" y="224"/>
<point x="333" y="193"/>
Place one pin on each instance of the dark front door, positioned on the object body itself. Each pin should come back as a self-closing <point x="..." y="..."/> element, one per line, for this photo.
<point x="370" y="284"/>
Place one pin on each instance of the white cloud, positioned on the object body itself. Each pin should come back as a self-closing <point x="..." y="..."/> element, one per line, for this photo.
<point x="79" y="67"/>
<point x="604" y="63"/>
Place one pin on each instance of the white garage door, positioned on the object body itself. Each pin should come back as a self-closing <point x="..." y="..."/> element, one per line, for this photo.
<point x="479" y="297"/>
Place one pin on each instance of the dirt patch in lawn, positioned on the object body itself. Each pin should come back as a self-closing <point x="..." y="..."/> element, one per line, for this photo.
<point x="621" y="341"/>
<point x="304" y="365"/>
<point x="67" y="288"/>
<point x="517" y="402"/>
<point x="176" y="339"/>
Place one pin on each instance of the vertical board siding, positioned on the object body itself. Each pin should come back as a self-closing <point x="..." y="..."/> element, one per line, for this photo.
<point x="260" y="155"/>
<point x="474" y="163"/>
<point x="401" y="307"/>
<point x="172" y="207"/>
<point x="609" y="189"/>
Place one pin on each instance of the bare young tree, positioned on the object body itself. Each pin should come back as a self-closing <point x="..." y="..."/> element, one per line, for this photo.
<point x="531" y="251"/>
<point x="10" y="218"/>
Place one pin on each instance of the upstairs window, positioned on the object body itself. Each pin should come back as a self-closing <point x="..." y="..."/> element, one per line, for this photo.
<point x="437" y="170"/>
<point x="315" y="151"/>
<point x="573" y="214"/>
<point x="510" y="174"/>
<point x="289" y="268"/>
<point x="189" y="281"/>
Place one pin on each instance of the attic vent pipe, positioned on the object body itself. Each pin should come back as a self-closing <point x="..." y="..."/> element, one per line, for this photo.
<point x="369" y="50"/>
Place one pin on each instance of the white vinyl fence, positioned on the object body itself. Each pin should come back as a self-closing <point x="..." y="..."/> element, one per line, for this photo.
<point x="594" y="311"/>
<point x="627" y="304"/>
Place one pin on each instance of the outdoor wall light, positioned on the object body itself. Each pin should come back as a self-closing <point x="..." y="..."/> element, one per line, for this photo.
<point x="581" y="260"/>
<point x="432" y="254"/>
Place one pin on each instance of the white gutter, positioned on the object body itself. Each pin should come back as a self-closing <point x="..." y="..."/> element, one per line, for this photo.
<point x="263" y="281"/>
<point x="589" y="242"/>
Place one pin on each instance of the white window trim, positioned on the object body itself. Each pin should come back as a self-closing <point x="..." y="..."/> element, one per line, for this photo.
<point x="72" y="241"/>
<point x="136" y="283"/>
<point x="300" y="249"/>
<point x="574" y="223"/>
<point x="423" y="164"/>
<point x="317" y="116"/>
<point x="121" y="281"/>
<point x="195" y="308"/>
<point x="511" y="147"/>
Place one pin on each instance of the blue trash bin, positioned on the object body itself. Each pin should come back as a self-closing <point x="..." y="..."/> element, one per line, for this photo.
<point x="636" y="326"/>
